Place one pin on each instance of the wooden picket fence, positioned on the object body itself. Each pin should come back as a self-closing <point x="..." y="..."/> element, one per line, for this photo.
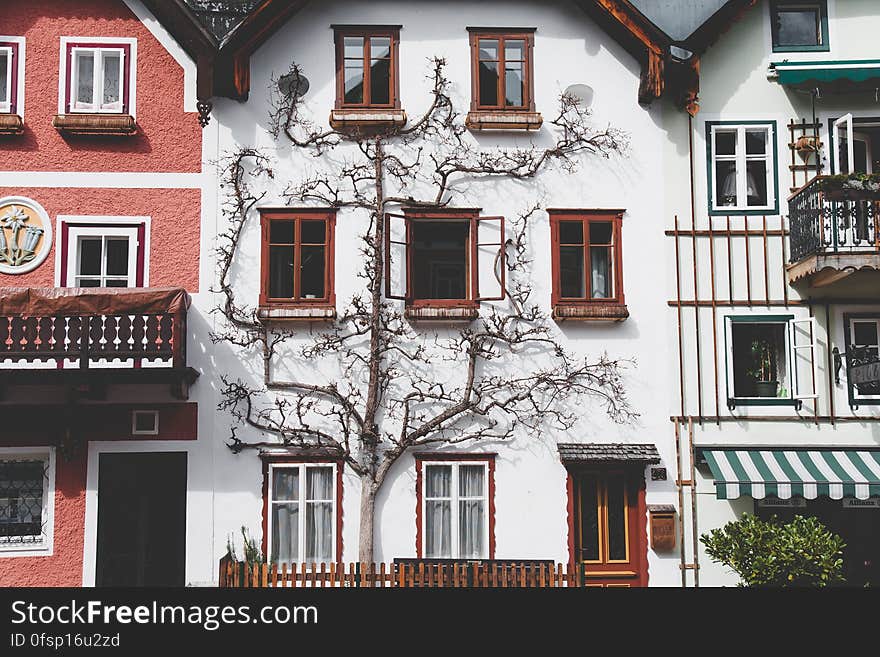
<point x="488" y="574"/>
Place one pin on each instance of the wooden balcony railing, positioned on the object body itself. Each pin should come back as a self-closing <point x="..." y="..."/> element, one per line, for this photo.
<point x="825" y="220"/>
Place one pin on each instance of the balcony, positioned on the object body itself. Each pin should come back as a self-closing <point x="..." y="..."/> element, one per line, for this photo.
<point x="834" y="229"/>
<point x="94" y="337"/>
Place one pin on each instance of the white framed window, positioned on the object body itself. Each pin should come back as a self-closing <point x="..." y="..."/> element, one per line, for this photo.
<point x="302" y="512"/>
<point x="455" y="509"/>
<point x="742" y="167"/>
<point x="145" y="423"/>
<point x="27" y="501"/>
<point x="97" y="75"/>
<point x="12" y="75"/>
<point x="770" y="360"/>
<point x="102" y="256"/>
<point x="863" y="347"/>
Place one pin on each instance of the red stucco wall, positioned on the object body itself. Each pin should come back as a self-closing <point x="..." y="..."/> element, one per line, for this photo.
<point x="169" y="139"/>
<point x="64" y="567"/>
<point x="174" y="233"/>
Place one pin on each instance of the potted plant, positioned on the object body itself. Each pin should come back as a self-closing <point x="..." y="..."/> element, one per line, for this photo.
<point x="763" y="369"/>
<point x="850" y="187"/>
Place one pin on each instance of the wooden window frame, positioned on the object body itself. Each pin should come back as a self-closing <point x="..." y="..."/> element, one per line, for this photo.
<point x="820" y="5"/>
<point x="471" y="215"/>
<point x="267" y="216"/>
<point x="425" y="459"/>
<point x="367" y="31"/>
<point x="71" y="71"/>
<point x="502" y="34"/>
<point x="272" y="462"/>
<point x="13" y="76"/>
<point x="615" y="217"/>
<point x="612" y="572"/>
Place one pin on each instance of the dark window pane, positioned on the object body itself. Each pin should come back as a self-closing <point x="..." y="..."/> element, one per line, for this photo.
<point x="571" y="272"/>
<point x="756" y="142"/>
<point x="600" y="274"/>
<point x="117" y="257"/>
<point x="759" y="355"/>
<point x="725" y="142"/>
<point x="571" y="232"/>
<point x="312" y="232"/>
<point x="488" y="49"/>
<point x="90" y="256"/>
<point x="116" y="282"/>
<point x="725" y="183"/>
<point x="601" y="232"/>
<point x="88" y="282"/>
<point x="281" y="272"/>
<point x="281" y="232"/>
<point x="865" y="333"/>
<point x="589" y="518"/>
<point x="354" y="47"/>
<point x="488" y="83"/>
<point x="616" y="519"/>
<point x="312" y="272"/>
<point x="380" y="81"/>
<point x="440" y="259"/>
<point x="798" y="27"/>
<point x="514" y="50"/>
<point x="4" y="75"/>
<point x="380" y="47"/>
<point x="756" y="175"/>
<point x="354" y="82"/>
<point x="513" y="84"/>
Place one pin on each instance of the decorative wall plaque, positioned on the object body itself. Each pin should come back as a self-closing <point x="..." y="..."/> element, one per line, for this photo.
<point x="25" y="235"/>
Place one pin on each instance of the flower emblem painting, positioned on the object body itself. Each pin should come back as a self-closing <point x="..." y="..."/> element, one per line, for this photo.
<point x="25" y="235"/>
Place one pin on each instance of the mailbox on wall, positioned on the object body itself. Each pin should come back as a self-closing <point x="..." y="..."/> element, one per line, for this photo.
<point x="662" y="526"/>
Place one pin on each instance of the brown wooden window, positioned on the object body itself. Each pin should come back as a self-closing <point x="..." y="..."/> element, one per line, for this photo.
<point x="444" y="258"/>
<point x="366" y="67"/>
<point x="297" y="263"/>
<point x="586" y="256"/>
<point x="501" y="64"/>
<point x="609" y="525"/>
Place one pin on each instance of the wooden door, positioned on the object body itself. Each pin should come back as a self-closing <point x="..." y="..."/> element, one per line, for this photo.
<point x="610" y="527"/>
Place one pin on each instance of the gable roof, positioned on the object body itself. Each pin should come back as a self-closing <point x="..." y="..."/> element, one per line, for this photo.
<point x="222" y="34"/>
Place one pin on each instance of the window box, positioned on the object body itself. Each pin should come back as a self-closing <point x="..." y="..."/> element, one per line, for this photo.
<point x="302" y="510"/>
<point x="742" y="168"/>
<point x="27" y="501"/>
<point x="11" y="85"/>
<point x="587" y="265"/>
<point x="799" y="26"/>
<point x="297" y="264"/>
<point x="502" y="82"/>
<point x="442" y="263"/>
<point x="455" y="506"/>
<point x="770" y="360"/>
<point x="367" y="77"/>
<point x="95" y="124"/>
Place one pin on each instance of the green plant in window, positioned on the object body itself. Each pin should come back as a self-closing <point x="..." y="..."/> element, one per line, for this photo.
<point x="763" y="368"/>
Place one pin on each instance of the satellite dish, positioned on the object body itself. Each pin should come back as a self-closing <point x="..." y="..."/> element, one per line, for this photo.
<point x="583" y="93"/>
<point x="293" y="84"/>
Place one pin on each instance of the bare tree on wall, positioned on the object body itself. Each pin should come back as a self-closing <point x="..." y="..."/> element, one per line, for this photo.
<point x="388" y="399"/>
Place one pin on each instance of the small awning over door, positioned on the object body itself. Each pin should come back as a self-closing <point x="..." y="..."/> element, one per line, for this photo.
<point x="785" y="473"/>
<point x="829" y="77"/>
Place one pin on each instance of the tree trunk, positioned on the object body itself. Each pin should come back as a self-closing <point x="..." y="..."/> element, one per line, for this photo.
<point x="367" y="520"/>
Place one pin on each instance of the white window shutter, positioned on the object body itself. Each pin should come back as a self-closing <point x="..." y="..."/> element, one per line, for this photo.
<point x="803" y="358"/>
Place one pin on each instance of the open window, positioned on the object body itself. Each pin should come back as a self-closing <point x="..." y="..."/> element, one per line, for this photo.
<point x="770" y="360"/>
<point x="297" y="263"/>
<point x="451" y="259"/>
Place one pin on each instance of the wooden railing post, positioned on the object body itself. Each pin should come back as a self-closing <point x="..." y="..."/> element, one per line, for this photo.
<point x="85" y="331"/>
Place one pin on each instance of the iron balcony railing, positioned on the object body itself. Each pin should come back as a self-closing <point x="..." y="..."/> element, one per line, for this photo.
<point x="824" y="220"/>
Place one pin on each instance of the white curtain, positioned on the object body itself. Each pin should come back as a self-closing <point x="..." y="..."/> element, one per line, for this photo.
<point x="319" y="514"/>
<point x="285" y="532"/>
<point x="112" y="77"/>
<point x="471" y="512"/>
<point x="4" y="76"/>
<point x="438" y="512"/>
<point x="601" y="265"/>
<point x="85" y="77"/>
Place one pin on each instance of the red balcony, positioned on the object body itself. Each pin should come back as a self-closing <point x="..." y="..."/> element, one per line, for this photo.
<point x="95" y="337"/>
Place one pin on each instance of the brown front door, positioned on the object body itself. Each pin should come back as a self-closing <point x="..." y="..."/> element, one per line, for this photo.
<point x="609" y="521"/>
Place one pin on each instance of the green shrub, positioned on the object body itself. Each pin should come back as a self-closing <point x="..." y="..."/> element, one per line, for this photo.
<point x="774" y="554"/>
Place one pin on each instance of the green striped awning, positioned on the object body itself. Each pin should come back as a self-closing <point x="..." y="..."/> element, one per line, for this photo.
<point x="784" y="473"/>
<point x="831" y="76"/>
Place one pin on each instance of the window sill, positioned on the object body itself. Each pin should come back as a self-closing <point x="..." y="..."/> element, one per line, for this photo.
<point x="342" y="119"/>
<point x="733" y="402"/>
<point x="95" y="124"/>
<point x="296" y="313"/>
<point x="462" y="313"/>
<point x="591" y="312"/>
<point x="11" y="124"/>
<point x="503" y="120"/>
